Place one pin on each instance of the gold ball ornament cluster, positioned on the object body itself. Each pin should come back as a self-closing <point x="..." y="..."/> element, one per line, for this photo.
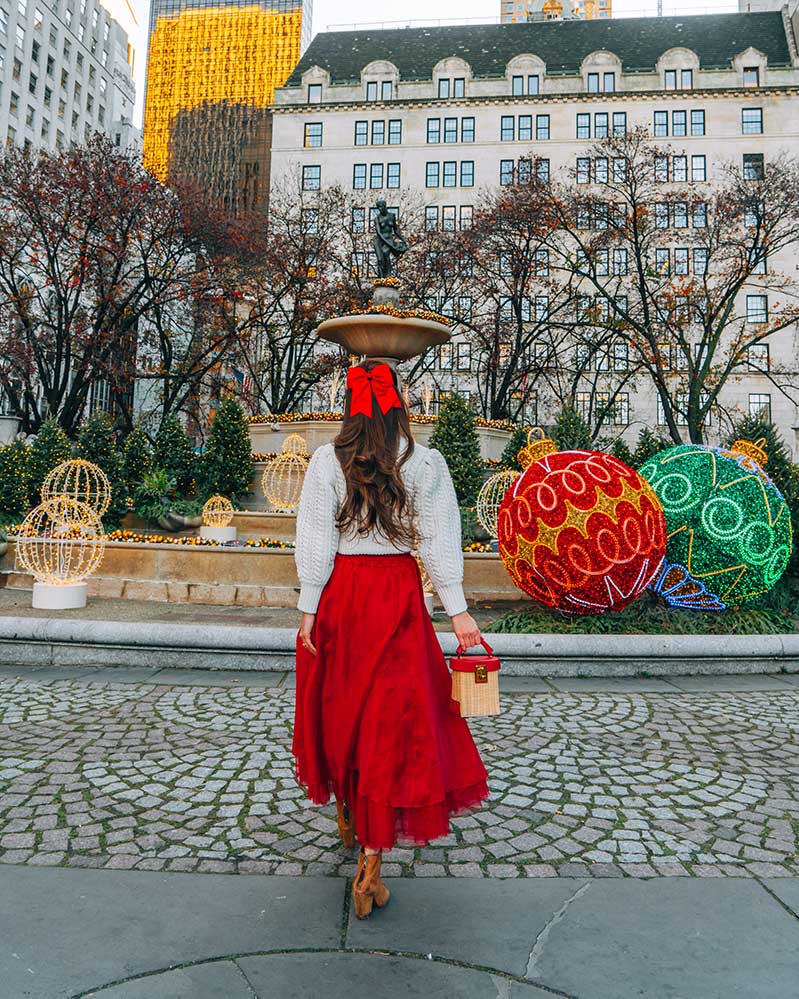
<point x="218" y="512"/>
<point x="283" y="476"/>
<point x="61" y="542"/>
<point x="80" y="480"/>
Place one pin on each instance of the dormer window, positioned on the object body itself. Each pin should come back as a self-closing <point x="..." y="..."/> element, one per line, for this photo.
<point x="517" y="86"/>
<point x="383" y="88"/>
<point x="371" y="90"/>
<point x="451" y="87"/>
<point x="314" y="93"/>
<point x="679" y="79"/>
<point x="533" y="84"/>
<point x="607" y="81"/>
<point x="751" y="76"/>
<point x="386" y="90"/>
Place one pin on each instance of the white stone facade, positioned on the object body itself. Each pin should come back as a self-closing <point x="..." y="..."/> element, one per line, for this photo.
<point x="468" y="138"/>
<point x="65" y="73"/>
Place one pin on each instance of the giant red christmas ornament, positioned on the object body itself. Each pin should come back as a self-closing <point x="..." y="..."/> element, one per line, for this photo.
<point x="579" y="530"/>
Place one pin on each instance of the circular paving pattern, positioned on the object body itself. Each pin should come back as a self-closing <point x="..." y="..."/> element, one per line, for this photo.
<point x="202" y="778"/>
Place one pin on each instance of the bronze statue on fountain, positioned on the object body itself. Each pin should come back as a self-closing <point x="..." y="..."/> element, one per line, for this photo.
<point x="383" y="329"/>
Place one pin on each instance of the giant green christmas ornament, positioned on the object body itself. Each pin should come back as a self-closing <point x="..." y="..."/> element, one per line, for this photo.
<point x="728" y="526"/>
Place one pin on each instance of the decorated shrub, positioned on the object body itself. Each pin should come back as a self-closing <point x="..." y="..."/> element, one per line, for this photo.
<point x="97" y="443"/>
<point x="226" y="467"/>
<point x="571" y="432"/>
<point x="455" y="436"/>
<point x="173" y="452"/>
<point x="136" y="459"/>
<point x="510" y="456"/>
<point x="50" y="448"/>
<point x="13" y="482"/>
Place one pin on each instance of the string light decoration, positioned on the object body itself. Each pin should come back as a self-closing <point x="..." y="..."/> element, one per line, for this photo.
<point x="284" y="474"/>
<point x="82" y="481"/>
<point x="729" y="527"/>
<point x="60" y="543"/>
<point x="218" y="512"/>
<point x="427" y="583"/>
<point x="579" y="531"/>
<point x="490" y="497"/>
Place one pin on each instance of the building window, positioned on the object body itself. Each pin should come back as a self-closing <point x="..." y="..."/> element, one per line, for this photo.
<point x="467" y="129"/>
<point x="443" y="89"/>
<point x="697" y="123"/>
<point x="432" y="175"/>
<point x="505" y="172"/>
<point x="542" y="171"/>
<point x="361" y="133"/>
<point x="619" y="261"/>
<point x="464" y="354"/>
<point x="583" y="170"/>
<point x="583" y="126"/>
<point x="681" y="260"/>
<point x="466" y="214"/>
<point x="313" y="134"/>
<point x="698" y="168"/>
<point x="517" y="86"/>
<point x="542" y="263"/>
<point x="386" y="90"/>
<point x="525" y="128"/>
<point x="533" y="84"/>
<point x="756" y="308"/>
<point x="757" y="260"/>
<point x="601" y="125"/>
<point x="671" y="79"/>
<point x="376" y="175"/>
<point x="679" y="123"/>
<point x="700" y="261"/>
<point x="601" y="170"/>
<point x="661" y="169"/>
<point x="752" y="121"/>
<point x="663" y="261"/>
<point x="700" y="215"/>
<point x="593" y="83"/>
<point x="448" y="218"/>
<point x="431" y="218"/>
<point x="679" y="168"/>
<point x="311" y="178"/>
<point x="753" y="166"/>
<point x="661" y="123"/>
<point x="434" y="130"/>
<point x="467" y="173"/>
<point x="459" y="86"/>
<point x="609" y="82"/>
<point x="314" y="93"/>
<point x="378" y="133"/>
<point x="359" y="176"/>
<point x="619" y="123"/>
<point x="507" y="128"/>
<point x="450" y="174"/>
<point x="757" y="356"/>
<point x="751" y="76"/>
<point x="679" y="215"/>
<point x="395" y="132"/>
<point x="760" y="405"/>
<point x="393" y="175"/>
<point x="358" y="220"/>
<point x="542" y="127"/>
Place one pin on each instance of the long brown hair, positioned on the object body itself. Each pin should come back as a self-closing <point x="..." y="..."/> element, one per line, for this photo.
<point x="367" y="448"/>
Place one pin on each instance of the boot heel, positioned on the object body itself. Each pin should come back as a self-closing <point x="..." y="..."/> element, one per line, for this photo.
<point x="368" y="889"/>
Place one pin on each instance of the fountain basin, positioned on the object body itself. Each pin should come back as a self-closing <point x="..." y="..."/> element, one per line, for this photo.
<point x="372" y="335"/>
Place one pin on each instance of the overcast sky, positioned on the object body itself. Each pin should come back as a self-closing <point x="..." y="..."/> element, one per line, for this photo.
<point x="330" y="13"/>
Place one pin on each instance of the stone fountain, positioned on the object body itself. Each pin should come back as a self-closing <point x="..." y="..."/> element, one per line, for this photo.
<point x="383" y="330"/>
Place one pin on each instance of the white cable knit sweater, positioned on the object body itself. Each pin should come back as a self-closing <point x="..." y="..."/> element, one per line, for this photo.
<point x="435" y="506"/>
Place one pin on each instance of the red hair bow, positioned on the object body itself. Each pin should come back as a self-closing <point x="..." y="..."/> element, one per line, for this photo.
<point x="363" y="384"/>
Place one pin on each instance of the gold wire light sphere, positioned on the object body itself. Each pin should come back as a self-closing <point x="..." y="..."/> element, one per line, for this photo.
<point x="80" y="480"/>
<point x="61" y="542"/>
<point x="218" y="512"/>
<point x="490" y="497"/>
<point x="427" y="582"/>
<point x="284" y="474"/>
<point x="294" y="444"/>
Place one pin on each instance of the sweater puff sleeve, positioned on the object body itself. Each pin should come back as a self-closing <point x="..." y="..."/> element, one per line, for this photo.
<point x="317" y="534"/>
<point x="439" y="526"/>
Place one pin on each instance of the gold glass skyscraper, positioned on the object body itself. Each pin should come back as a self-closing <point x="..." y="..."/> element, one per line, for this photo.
<point x="209" y="52"/>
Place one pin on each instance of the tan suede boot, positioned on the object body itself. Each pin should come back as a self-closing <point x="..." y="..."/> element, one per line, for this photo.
<point x="367" y="888"/>
<point x="346" y="829"/>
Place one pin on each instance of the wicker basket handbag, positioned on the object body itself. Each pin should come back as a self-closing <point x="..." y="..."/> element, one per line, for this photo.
<point x="475" y="682"/>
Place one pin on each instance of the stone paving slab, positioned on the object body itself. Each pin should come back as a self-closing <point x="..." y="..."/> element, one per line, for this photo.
<point x="216" y="980"/>
<point x="64" y="931"/>
<point x="200" y="777"/>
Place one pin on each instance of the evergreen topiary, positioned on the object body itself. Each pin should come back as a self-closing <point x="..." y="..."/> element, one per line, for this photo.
<point x="620" y="449"/>
<point x="571" y="432"/>
<point x="50" y="448"/>
<point x="226" y="467"/>
<point x="97" y="443"/>
<point x="173" y="452"/>
<point x="455" y="436"/>
<point x="509" y="459"/>
<point x="136" y="459"/>
<point x="14" y="471"/>
<point x="649" y="443"/>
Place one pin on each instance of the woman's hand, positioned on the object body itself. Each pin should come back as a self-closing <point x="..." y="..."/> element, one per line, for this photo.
<point x="466" y="630"/>
<point x="306" y="626"/>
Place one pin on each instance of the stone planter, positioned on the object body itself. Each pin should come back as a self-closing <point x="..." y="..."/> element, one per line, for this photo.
<point x="267" y="438"/>
<point x="176" y="522"/>
<point x="3" y="548"/>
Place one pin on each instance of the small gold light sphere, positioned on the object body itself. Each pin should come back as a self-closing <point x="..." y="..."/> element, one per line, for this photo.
<point x="294" y="444"/>
<point x="218" y="512"/>
<point x="283" y="478"/>
<point x="61" y="542"/>
<point x="490" y="497"/>
<point x="80" y="480"/>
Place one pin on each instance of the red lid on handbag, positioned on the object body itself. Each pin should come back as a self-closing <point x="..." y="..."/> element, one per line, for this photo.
<point x="475" y="664"/>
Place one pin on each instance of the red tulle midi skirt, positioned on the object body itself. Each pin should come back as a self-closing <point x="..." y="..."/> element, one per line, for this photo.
<point x="374" y="723"/>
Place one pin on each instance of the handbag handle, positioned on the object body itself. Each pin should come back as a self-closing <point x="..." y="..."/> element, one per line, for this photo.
<point x="460" y="649"/>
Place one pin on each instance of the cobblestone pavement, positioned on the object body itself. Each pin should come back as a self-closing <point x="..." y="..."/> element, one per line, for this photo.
<point x="146" y="776"/>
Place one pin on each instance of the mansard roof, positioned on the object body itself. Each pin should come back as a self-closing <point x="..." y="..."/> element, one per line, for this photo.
<point x="563" y="45"/>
